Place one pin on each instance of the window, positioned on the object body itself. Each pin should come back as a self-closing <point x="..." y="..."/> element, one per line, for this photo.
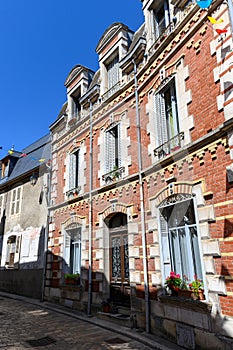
<point x="1" y="205"/>
<point x="179" y="237"/>
<point x="74" y="170"/>
<point x="166" y="119"/>
<point x="161" y="19"/>
<point x="72" y="250"/>
<point x="113" y="72"/>
<point x="12" y="253"/>
<point x="75" y="106"/>
<point x="15" y="201"/>
<point x="4" y="169"/>
<point x="112" y="149"/>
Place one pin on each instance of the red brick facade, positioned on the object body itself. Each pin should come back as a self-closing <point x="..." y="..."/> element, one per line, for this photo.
<point x="198" y="60"/>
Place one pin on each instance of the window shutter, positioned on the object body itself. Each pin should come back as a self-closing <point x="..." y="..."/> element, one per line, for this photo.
<point x="67" y="249"/>
<point x="17" y="251"/>
<point x="175" y="123"/>
<point x="163" y="120"/>
<point x="18" y="196"/>
<point x="109" y="151"/>
<point x="113" y="72"/>
<point x="119" y="145"/>
<point x="160" y="119"/>
<point x="165" y="246"/>
<point x="157" y="120"/>
<point x="72" y="171"/>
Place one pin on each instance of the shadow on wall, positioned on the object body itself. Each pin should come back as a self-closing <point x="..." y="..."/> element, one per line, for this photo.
<point x="192" y="324"/>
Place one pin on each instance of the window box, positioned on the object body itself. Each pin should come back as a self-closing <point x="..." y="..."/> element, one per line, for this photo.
<point x="113" y="175"/>
<point x="73" y="193"/>
<point x="72" y="279"/>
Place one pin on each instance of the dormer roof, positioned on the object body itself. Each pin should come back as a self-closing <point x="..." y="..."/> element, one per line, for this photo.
<point x="110" y="33"/>
<point x="76" y="72"/>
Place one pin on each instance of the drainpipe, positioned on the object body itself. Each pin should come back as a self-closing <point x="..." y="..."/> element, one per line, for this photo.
<point x="142" y="209"/>
<point x="47" y="191"/>
<point x="90" y="220"/>
<point x="230" y="8"/>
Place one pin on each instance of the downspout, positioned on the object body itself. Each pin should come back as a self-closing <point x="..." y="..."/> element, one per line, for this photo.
<point x="90" y="220"/>
<point x="142" y="209"/>
<point x="47" y="191"/>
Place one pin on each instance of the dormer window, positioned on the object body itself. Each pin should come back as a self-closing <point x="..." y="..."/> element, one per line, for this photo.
<point x="76" y="108"/>
<point x="113" y="72"/>
<point x="4" y="169"/>
<point x="161" y="19"/>
<point x="112" y="47"/>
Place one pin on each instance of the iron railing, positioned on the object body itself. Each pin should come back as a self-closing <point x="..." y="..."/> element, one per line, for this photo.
<point x="113" y="175"/>
<point x="111" y="91"/>
<point x="170" y="146"/>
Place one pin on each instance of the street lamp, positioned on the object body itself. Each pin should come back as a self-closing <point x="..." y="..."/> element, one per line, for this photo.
<point x="33" y="179"/>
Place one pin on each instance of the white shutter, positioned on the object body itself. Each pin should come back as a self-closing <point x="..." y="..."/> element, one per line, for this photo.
<point x="157" y="120"/>
<point x="67" y="249"/>
<point x="119" y="145"/>
<point x="163" y="120"/>
<point x="113" y="72"/>
<point x="110" y="153"/>
<point x="72" y="171"/>
<point x="17" y="249"/>
<point x="165" y="246"/>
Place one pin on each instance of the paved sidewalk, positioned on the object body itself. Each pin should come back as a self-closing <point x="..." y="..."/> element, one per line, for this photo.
<point x="147" y="340"/>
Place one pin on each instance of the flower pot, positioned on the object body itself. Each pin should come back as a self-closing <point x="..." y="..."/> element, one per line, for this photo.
<point x="185" y="293"/>
<point x="201" y="295"/>
<point x="174" y="292"/>
<point x="69" y="281"/>
<point x="106" y="308"/>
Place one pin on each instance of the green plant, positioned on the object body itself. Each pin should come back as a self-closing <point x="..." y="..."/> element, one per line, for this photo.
<point x="71" y="276"/>
<point x="115" y="173"/>
<point x="184" y="283"/>
<point x="173" y="281"/>
<point x="196" y="285"/>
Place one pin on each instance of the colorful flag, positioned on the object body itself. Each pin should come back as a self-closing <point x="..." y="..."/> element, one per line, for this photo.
<point x="214" y="21"/>
<point x="221" y="31"/>
<point x="203" y="4"/>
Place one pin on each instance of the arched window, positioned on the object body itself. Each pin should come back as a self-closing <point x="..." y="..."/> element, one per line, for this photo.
<point x="179" y="237"/>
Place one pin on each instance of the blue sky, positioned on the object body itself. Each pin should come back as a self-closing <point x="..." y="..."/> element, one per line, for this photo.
<point x="41" y="41"/>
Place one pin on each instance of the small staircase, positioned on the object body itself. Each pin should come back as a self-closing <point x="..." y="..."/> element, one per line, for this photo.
<point x="119" y="314"/>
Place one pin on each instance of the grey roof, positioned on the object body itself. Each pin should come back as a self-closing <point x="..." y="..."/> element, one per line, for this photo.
<point x="63" y="110"/>
<point x="96" y="79"/>
<point x="137" y="35"/>
<point x="41" y="149"/>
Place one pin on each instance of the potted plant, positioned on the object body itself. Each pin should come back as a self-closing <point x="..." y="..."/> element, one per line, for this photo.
<point x="173" y="282"/>
<point x="115" y="173"/>
<point x="197" y="287"/>
<point x="106" y="305"/>
<point x="72" y="278"/>
<point x="184" y="290"/>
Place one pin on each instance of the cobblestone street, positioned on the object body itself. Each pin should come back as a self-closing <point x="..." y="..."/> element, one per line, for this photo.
<point x="28" y="326"/>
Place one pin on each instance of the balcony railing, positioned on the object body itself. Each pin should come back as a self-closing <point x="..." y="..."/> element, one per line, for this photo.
<point x="170" y="146"/>
<point x="113" y="175"/>
<point x="74" y="192"/>
<point x="111" y="91"/>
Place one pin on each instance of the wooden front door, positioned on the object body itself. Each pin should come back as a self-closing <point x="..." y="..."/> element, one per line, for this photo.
<point x="119" y="262"/>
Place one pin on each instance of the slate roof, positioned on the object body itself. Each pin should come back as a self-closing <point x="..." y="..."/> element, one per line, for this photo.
<point x="137" y="35"/>
<point x="40" y="149"/>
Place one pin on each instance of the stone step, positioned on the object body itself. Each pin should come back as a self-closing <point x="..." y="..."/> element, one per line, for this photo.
<point x="118" y="318"/>
<point x="123" y="310"/>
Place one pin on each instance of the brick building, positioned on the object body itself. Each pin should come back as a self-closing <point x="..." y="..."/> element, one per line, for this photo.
<point x="142" y="175"/>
